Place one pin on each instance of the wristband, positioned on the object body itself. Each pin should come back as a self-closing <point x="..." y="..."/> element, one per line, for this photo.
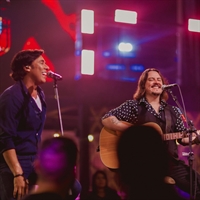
<point x="17" y="175"/>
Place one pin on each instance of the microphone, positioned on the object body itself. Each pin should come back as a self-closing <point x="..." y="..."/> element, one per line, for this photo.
<point x="53" y="75"/>
<point x="164" y="87"/>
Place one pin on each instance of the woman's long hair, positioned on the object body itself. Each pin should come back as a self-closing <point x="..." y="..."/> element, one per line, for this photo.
<point x="94" y="187"/>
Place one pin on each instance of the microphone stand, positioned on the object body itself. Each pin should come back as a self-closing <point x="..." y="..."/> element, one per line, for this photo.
<point x="55" y="86"/>
<point x="190" y="130"/>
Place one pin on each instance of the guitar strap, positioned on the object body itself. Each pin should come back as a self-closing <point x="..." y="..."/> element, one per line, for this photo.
<point x="168" y="120"/>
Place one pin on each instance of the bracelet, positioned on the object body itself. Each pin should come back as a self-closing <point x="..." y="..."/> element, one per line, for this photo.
<point x="17" y="175"/>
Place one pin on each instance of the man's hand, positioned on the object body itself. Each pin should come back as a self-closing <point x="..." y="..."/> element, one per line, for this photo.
<point x="20" y="184"/>
<point x="20" y="187"/>
<point x="196" y="140"/>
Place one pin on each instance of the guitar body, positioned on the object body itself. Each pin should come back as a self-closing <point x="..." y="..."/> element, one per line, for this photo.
<point x="109" y="139"/>
<point x="108" y="148"/>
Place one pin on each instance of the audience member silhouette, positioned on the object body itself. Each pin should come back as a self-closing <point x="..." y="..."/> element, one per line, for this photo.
<point x="100" y="189"/>
<point x="55" y="167"/>
<point x="143" y="167"/>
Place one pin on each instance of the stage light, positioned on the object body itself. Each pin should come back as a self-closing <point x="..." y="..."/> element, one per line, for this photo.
<point x="56" y="135"/>
<point x="87" y="62"/>
<point x="137" y="68"/>
<point x="106" y="54"/>
<point x="125" y="47"/>
<point x="126" y="50"/>
<point x="115" y="67"/>
<point x="5" y="35"/>
<point x="129" y="79"/>
<point x="1" y="25"/>
<point x="125" y="16"/>
<point x="194" y="25"/>
<point x="87" y="21"/>
<point x="90" y="138"/>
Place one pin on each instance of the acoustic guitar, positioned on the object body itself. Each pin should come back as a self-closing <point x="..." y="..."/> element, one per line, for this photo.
<point x="108" y="143"/>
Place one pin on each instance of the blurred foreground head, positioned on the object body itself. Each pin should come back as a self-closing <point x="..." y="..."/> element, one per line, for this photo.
<point x="57" y="160"/>
<point x="142" y="159"/>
